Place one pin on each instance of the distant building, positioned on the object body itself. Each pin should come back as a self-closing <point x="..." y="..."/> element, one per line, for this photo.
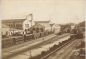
<point x="21" y="24"/>
<point x="5" y="30"/>
<point x="46" y="24"/>
<point x="81" y="26"/>
<point x="15" y="25"/>
<point x="57" y="28"/>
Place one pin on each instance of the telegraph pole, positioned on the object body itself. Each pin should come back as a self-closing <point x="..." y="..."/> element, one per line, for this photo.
<point x="31" y="19"/>
<point x="30" y="54"/>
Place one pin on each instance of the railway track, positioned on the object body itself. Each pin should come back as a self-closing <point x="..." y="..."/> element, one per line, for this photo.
<point x="56" y="50"/>
<point x="47" y="54"/>
<point x="37" y="46"/>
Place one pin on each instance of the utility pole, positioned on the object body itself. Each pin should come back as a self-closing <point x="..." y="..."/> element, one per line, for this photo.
<point x="13" y="27"/>
<point x="51" y="26"/>
<point x="30" y="54"/>
<point x="31" y="19"/>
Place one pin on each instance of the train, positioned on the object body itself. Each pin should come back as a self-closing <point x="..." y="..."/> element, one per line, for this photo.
<point x="35" y="32"/>
<point x="76" y="33"/>
<point x="38" y="31"/>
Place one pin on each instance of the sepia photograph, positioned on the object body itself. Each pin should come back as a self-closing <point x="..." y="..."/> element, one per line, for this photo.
<point x="42" y="29"/>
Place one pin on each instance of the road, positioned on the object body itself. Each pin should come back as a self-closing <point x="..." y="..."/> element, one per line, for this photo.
<point x="66" y="51"/>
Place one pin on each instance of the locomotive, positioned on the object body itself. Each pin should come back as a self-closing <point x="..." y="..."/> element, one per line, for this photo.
<point x="76" y="33"/>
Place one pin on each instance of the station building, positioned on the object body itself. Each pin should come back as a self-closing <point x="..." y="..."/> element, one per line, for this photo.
<point x="20" y="25"/>
<point x="13" y="25"/>
<point x="46" y="24"/>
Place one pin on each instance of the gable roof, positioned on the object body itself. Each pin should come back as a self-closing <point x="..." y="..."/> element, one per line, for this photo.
<point x="41" y="21"/>
<point x="13" y="20"/>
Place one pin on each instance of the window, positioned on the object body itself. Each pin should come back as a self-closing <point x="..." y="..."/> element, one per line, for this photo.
<point x="19" y="26"/>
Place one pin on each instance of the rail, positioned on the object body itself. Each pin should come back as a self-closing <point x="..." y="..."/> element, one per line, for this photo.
<point x="55" y="50"/>
<point x="52" y="50"/>
<point x="8" y="42"/>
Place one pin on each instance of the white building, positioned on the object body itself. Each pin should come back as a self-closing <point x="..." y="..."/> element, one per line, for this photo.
<point x="46" y="24"/>
<point x="27" y="24"/>
<point x="57" y="28"/>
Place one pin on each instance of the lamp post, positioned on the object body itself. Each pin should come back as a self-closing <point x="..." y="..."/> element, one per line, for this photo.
<point x="13" y="27"/>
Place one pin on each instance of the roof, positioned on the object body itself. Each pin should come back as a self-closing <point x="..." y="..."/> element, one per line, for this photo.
<point x="37" y="26"/>
<point x="41" y="21"/>
<point x="5" y="26"/>
<point x="13" y="20"/>
<point x="82" y="24"/>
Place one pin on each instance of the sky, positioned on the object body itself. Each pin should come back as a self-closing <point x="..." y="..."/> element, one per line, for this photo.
<point x="58" y="11"/>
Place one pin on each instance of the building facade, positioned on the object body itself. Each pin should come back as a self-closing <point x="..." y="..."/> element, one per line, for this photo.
<point x="46" y="24"/>
<point x="15" y="25"/>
